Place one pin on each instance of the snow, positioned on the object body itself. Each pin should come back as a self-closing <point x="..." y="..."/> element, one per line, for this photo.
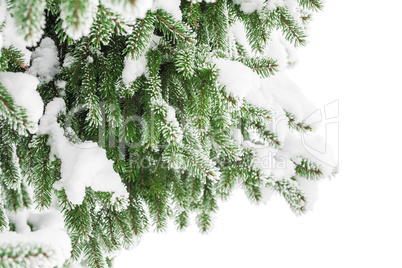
<point x="20" y="221"/>
<point x="45" y="62"/>
<point x="293" y="6"/>
<point x="22" y="87"/>
<point x="129" y="11"/>
<point x="90" y="59"/>
<point x="249" y="6"/>
<point x="47" y="232"/>
<point x="55" y="243"/>
<point x="288" y="96"/>
<point x="285" y="169"/>
<point x="171" y="115"/>
<point x="133" y="69"/>
<point x="68" y="60"/>
<point x="280" y="122"/>
<point x="240" y="81"/>
<point x="239" y="33"/>
<point x="3" y="10"/>
<point x="17" y="172"/>
<point x="83" y="165"/>
<point x="238" y="78"/>
<point x="297" y="146"/>
<point x="273" y="4"/>
<point x="199" y="1"/>
<point x="11" y="38"/>
<point x="281" y="50"/>
<point x="155" y="42"/>
<point x="52" y="219"/>
<point x="60" y="84"/>
<point x="171" y="6"/>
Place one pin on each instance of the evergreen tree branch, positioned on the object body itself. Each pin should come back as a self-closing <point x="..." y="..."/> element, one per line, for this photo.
<point x="307" y="169"/>
<point x="171" y="29"/>
<point x="293" y="32"/>
<point x="16" y="58"/>
<point x="299" y="126"/>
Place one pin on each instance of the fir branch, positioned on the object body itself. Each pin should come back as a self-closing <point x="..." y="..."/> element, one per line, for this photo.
<point x="307" y="169"/>
<point x="4" y="222"/>
<point x="171" y="29"/>
<point x="141" y="37"/>
<point x="292" y="193"/>
<point x="91" y="99"/>
<point x="299" y="126"/>
<point x="24" y="256"/>
<point x="93" y="253"/>
<point x="311" y="4"/>
<point x="29" y="18"/>
<point x="185" y="61"/>
<point x="263" y="67"/>
<point x="229" y="147"/>
<point x="199" y="166"/>
<point x="26" y="199"/>
<point x="191" y="14"/>
<point x="10" y="169"/>
<point x="293" y="32"/>
<point x="78" y="219"/>
<point x="267" y="135"/>
<point x="16" y="58"/>
<point x="254" y="114"/>
<point x="14" y="114"/>
<point x="203" y="221"/>
<point x="257" y="32"/>
<point x="219" y="21"/>
<point x="227" y="181"/>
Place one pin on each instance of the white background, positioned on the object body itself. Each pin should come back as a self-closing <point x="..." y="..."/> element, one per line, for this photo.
<point x="354" y="56"/>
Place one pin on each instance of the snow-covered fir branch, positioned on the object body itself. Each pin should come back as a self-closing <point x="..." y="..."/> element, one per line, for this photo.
<point x="118" y="116"/>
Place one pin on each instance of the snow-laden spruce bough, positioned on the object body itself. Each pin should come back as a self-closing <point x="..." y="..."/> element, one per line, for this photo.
<point x="117" y="116"/>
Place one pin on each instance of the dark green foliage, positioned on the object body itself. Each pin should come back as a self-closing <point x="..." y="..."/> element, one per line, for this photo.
<point x="4" y="225"/>
<point x="11" y="60"/>
<point x="257" y="29"/>
<point x="15" y="114"/>
<point x="41" y="171"/>
<point x="172" y="30"/>
<point x="308" y="170"/>
<point x="94" y="254"/>
<point x="293" y="32"/>
<point x="263" y="67"/>
<point x="139" y="40"/>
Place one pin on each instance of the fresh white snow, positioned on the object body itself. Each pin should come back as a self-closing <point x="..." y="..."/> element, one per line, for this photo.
<point x="171" y="6"/>
<point x="45" y="62"/>
<point x="249" y="6"/>
<point x="83" y="165"/>
<point x="129" y="11"/>
<point x="22" y="87"/>
<point x="238" y="78"/>
<point x="133" y="69"/>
